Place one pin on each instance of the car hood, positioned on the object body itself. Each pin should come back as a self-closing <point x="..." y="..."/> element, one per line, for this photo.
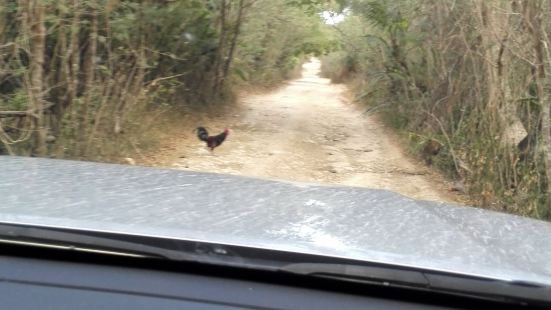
<point x="357" y="223"/>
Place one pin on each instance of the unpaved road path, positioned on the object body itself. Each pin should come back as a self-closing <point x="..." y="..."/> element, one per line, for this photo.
<point x="307" y="131"/>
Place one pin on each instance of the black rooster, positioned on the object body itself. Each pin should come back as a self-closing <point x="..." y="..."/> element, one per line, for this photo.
<point x="212" y="141"/>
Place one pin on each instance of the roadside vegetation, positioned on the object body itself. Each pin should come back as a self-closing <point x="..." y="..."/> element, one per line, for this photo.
<point x="97" y="79"/>
<point x="467" y="81"/>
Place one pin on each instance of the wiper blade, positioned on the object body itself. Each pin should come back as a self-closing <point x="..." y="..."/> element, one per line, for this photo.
<point x="181" y="250"/>
<point x="520" y="292"/>
<point x="374" y="274"/>
<point x="88" y="242"/>
<point x="340" y="269"/>
<point x="173" y="249"/>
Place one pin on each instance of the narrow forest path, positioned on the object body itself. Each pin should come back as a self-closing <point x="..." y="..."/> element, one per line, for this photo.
<point x="306" y="131"/>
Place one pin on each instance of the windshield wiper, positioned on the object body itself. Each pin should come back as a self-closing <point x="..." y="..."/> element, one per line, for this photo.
<point x="520" y="292"/>
<point x="88" y="241"/>
<point x="335" y="268"/>
<point x="360" y="273"/>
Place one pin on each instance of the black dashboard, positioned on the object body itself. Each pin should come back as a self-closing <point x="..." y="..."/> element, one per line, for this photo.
<point x="49" y="279"/>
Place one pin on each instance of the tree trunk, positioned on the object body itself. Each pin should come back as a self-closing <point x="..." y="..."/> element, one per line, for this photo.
<point x="59" y="76"/>
<point x="71" y="67"/>
<point x="74" y="59"/>
<point x="88" y="71"/>
<point x="134" y="83"/>
<point x="236" y="31"/>
<point x="220" y="50"/>
<point x="37" y="35"/>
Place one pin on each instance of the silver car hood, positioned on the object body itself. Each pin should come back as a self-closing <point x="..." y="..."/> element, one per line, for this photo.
<point x="348" y="222"/>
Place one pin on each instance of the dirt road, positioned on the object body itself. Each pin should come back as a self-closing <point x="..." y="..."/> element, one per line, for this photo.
<point x="307" y="131"/>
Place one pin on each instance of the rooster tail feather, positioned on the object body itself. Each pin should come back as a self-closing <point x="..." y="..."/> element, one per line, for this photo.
<point x="202" y="134"/>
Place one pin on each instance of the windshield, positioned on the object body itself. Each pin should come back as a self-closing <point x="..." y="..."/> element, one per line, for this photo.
<point x="414" y="133"/>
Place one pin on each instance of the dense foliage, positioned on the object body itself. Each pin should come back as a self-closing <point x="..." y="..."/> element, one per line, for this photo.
<point x="87" y="79"/>
<point x="469" y="76"/>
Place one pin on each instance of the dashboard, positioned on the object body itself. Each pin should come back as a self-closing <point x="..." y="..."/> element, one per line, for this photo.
<point x="68" y="280"/>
